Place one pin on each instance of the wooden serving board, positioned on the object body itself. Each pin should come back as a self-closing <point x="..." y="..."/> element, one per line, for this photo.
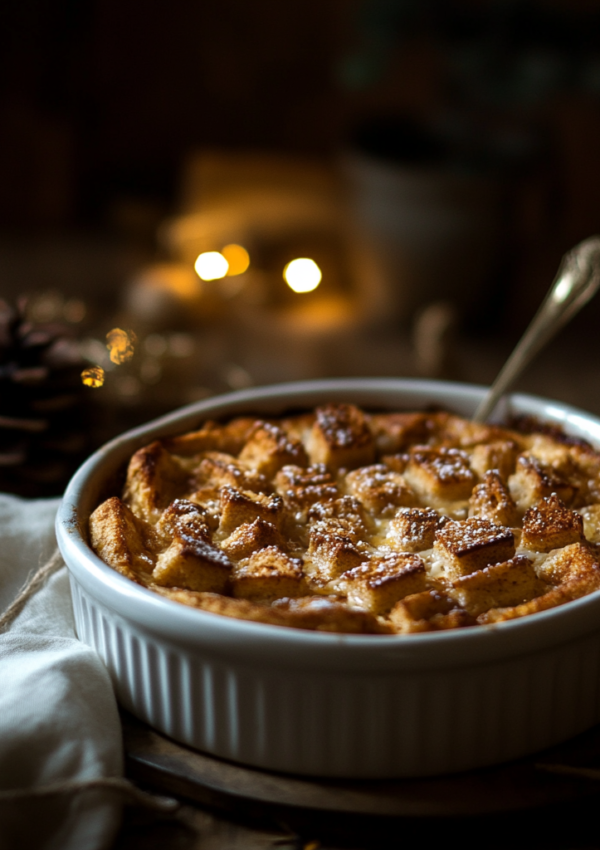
<point x="528" y="783"/>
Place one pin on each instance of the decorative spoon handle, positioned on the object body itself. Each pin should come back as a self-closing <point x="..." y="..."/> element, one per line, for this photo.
<point x="576" y="281"/>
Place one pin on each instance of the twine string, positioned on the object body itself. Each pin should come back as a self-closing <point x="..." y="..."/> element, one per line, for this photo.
<point x="34" y="583"/>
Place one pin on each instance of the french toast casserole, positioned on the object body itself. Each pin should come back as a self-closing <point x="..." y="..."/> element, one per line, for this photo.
<point x="345" y="521"/>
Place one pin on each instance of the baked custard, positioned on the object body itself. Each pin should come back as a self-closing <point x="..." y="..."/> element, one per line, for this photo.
<point x="341" y="520"/>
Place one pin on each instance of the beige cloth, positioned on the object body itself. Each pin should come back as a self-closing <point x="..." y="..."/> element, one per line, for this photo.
<point x="58" y="716"/>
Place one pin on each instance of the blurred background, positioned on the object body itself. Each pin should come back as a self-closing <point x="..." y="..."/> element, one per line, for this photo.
<point x="244" y="193"/>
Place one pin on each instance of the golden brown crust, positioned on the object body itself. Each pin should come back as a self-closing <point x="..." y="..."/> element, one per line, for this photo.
<point x="344" y="521"/>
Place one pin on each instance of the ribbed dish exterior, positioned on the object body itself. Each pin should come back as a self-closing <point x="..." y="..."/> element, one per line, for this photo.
<point x="408" y="723"/>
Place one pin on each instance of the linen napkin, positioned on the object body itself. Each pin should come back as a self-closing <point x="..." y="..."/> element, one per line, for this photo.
<point x="60" y="735"/>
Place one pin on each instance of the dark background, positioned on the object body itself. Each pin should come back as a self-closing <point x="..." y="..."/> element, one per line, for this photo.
<point x="102" y="102"/>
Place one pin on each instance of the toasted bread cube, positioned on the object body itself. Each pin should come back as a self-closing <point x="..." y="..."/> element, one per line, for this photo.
<point x="344" y="515"/>
<point x="379" y="583"/>
<point x="395" y="432"/>
<point x="268" y="448"/>
<point x="269" y="574"/>
<point x="464" y="547"/>
<point x="193" y="564"/>
<point x="314" y="613"/>
<point x="301" y="488"/>
<point x="464" y="433"/>
<point x="340" y="437"/>
<point x="550" y="452"/>
<point x="413" y="529"/>
<point x="440" y="474"/>
<point x="492" y="500"/>
<point x="217" y="469"/>
<point x="500" y="455"/>
<point x="591" y="523"/>
<point x="413" y="613"/>
<point x="228" y="438"/>
<point x="238" y="507"/>
<point x="500" y="585"/>
<point x="250" y="537"/>
<point x="532" y="481"/>
<point x="550" y="525"/>
<point x="397" y="463"/>
<point x="572" y="562"/>
<point x="573" y="589"/>
<point x="125" y="542"/>
<point x="455" y="619"/>
<point x="323" y="614"/>
<point x="183" y="516"/>
<point x="379" y="489"/>
<point x="154" y="479"/>
<point x="330" y="553"/>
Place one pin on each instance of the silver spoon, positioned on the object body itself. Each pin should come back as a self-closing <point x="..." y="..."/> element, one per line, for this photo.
<point x="576" y="281"/>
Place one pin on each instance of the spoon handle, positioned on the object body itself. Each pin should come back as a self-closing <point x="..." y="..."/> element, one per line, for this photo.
<point x="576" y="281"/>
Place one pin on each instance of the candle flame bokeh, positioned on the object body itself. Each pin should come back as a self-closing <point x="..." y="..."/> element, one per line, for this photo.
<point x="211" y="265"/>
<point x="237" y="257"/>
<point x="302" y="275"/>
<point x="93" y="377"/>
<point x="121" y="345"/>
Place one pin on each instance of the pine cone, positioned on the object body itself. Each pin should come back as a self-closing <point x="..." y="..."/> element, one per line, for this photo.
<point x="42" y="416"/>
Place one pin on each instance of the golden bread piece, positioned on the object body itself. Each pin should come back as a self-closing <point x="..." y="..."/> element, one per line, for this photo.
<point x="194" y="564"/>
<point x="330" y="615"/>
<point x="340" y="437"/>
<point x="241" y="506"/>
<point x="533" y="481"/>
<point x="500" y="455"/>
<point x="381" y="490"/>
<point x="395" y="432"/>
<point x="123" y="540"/>
<point x="439" y="474"/>
<point x="301" y="488"/>
<point x="576" y="561"/>
<point x="269" y="574"/>
<point x="345" y="515"/>
<point x="550" y="525"/>
<point x="574" y="589"/>
<point x="464" y="547"/>
<point x="154" y="479"/>
<point x="428" y="611"/>
<point x="413" y="529"/>
<point x="314" y="613"/>
<point x="330" y="553"/>
<point x="492" y="500"/>
<point x="251" y="537"/>
<point x="500" y="585"/>
<point x="217" y="469"/>
<point x="345" y="521"/>
<point x="183" y="517"/>
<point x="591" y="523"/>
<point x="229" y="438"/>
<point x="382" y="581"/>
<point x="269" y="448"/>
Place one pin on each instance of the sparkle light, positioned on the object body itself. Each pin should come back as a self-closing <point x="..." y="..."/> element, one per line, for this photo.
<point x="93" y="377"/>
<point x="237" y="257"/>
<point x="120" y="345"/>
<point x="211" y="266"/>
<point x="302" y="275"/>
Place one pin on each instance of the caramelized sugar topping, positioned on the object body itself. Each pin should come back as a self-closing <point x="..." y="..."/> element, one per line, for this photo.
<point x="342" y="520"/>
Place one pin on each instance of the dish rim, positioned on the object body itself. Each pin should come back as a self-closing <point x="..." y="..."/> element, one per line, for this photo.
<point x="181" y="624"/>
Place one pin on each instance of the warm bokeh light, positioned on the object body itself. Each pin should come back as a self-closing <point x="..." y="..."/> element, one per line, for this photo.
<point x="93" y="377"/>
<point x="120" y="345"/>
<point x="302" y="275"/>
<point x="237" y="257"/>
<point x="211" y="266"/>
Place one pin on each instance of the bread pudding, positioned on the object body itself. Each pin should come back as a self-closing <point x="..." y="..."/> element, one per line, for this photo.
<point x="346" y="521"/>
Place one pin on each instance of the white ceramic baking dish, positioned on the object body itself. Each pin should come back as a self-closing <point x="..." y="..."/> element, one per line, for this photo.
<point x="327" y="704"/>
